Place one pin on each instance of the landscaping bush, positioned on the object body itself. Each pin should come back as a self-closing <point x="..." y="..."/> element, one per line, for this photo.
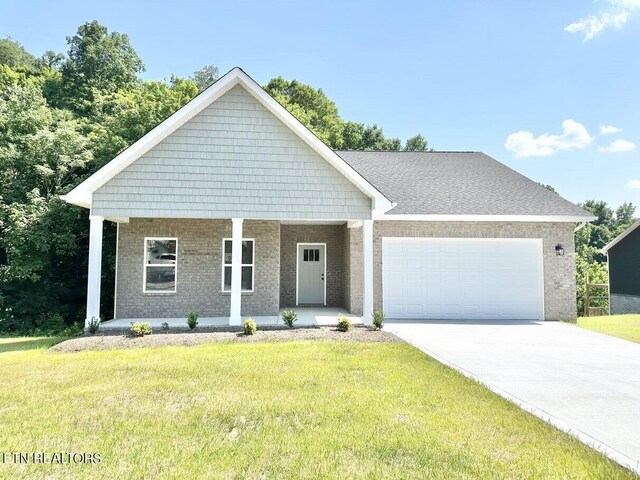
<point x="192" y="320"/>
<point x="378" y="319"/>
<point x="289" y="317"/>
<point x="344" y="324"/>
<point x="140" y="329"/>
<point x="250" y="326"/>
<point x="165" y="327"/>
<point x="94" y="325"/>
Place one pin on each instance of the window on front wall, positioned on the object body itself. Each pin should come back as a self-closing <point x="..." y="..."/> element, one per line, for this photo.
<point x="248" y="257"/>
<point x="160" y="265"/>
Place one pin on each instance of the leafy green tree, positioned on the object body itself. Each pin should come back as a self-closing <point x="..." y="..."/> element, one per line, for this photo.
<point x="98" y="61"/>
<point x="374" y="139"/>
<point x="42" y="150"/>
<point x="417" y="143"/>
<point x="600" y="210"/>
<point x="590" y="240"/>
<point x="51" y="59"/>
<point x="205" y="76"/>
<point x="13" y="55"/>
<point x="311" y="106"/>
<point x="624" y="215"/>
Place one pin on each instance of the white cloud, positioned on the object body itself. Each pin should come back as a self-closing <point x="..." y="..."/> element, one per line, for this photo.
<point x="608" y="129"/>
<point x="633" y="184"/>
<point x="619" y="146"/>
<point x="615" y="15"/>
<point x="574" y="136"/>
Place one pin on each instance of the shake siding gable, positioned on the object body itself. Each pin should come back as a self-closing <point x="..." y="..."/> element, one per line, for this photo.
<point x="233" y="159"/>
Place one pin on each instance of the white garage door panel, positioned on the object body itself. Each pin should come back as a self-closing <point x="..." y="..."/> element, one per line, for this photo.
<point x="475" y="279"/>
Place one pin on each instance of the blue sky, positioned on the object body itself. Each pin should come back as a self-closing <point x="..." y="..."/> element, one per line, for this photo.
<point x="494" y="76"/>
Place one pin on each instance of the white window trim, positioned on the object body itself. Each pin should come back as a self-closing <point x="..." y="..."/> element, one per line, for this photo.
<point x="252" y="265"/>
<point x="145" y="265"/>
<point x="307" y="244"/>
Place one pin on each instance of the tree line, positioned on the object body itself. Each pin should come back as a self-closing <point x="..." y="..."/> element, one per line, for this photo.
<point x="62" y="117"/>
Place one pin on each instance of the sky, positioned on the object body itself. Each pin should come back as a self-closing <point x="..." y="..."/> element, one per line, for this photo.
<point x="549" y="88"/>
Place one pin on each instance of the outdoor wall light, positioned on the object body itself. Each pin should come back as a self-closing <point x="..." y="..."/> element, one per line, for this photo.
<point x="559" y="250"/>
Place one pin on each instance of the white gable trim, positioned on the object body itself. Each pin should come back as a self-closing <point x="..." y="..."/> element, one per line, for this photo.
<point x="83" y="193"/>
<point x="620" y="237"/>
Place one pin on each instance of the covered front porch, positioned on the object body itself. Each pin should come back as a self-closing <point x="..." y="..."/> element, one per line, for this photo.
<point x="307" y="317"/>
<point x="228" y="270"/>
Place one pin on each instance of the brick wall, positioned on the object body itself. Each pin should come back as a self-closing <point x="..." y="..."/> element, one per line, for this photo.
<point x="199" y="268"/>
<point x="333" y="236"/>
<point x="559" y="272"/>
<point x="200" y="263"/>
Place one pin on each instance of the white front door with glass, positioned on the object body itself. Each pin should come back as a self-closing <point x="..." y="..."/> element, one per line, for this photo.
<point x="311" y="273"/>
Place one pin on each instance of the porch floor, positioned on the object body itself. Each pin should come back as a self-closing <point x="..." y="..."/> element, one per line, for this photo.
<point x="307" y="316"/>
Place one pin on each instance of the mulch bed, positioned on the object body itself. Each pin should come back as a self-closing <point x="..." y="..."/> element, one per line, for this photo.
<point x="119" y="340"/>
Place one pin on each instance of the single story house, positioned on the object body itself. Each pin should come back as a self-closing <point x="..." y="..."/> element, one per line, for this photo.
<point x="232" y="208"/>
<point x="623" y="261"/>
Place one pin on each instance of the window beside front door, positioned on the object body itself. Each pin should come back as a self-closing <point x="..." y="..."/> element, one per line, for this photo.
<point x="248" y="261"/>
<point x="160" y="265"/>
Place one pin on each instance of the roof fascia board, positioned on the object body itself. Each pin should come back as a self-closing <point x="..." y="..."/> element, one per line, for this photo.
<point x="487" y="218"/>
<point x="621" y="237"/>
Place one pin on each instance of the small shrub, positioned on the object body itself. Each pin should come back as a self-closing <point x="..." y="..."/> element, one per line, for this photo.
<point x="140" y="329"/>
<point x="289" y="317"/>
<point x="344" y="324"/>
<point x="192" y="320"/>
<point x="165" y="327"/>
<point x="378" y="319"/>
<point x="94" y="325"/>
<point x="249" y="326"/>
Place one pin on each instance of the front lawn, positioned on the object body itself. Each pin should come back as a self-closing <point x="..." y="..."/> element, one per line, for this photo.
<point x="11" y="344"/>
<point x="273" y="410"/>
<point x="622" y="326"/>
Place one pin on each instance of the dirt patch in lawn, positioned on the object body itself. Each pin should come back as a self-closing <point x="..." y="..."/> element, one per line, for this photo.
<point x="117" y="341"/>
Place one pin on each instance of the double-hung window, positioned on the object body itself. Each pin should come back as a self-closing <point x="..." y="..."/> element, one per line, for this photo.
<point x="248" y="260"/>
<point x="160" y="265"/>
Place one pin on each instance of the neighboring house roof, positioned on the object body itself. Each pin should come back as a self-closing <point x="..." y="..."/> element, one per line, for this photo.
<point x="82" y="194"/>
<point x="459" y="185"/>
<point x="622" y="236"/>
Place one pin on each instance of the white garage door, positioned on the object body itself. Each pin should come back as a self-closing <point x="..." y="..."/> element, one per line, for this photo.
<point x="474" y="279"/>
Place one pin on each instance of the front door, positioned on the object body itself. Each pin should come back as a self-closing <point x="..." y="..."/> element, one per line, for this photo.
<point x="311" y="266"/>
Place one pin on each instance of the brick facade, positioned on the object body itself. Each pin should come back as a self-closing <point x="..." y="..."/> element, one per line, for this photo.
<point x="199" y="281"/>
<point x="559" y="271"/>
<point x="333" y="236"/>
<point x="200" y="263"/>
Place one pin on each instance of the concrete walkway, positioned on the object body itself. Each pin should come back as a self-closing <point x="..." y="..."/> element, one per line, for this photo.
<point x="583" y="382"/>
<point x="307" y="316"/>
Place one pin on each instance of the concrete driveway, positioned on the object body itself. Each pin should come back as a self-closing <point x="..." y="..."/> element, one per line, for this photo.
<point x="581" y="381"/>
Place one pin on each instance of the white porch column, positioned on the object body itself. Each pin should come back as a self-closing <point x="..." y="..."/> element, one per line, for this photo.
<point x="95" y="268"/>
<point x="235" y="314"/>
<point x="367" y="254"/>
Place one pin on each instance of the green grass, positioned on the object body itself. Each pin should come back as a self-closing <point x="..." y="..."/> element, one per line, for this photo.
<point x="273" y="410"/>
<point x="12" y="344"/>
<point x="621" y="326"/>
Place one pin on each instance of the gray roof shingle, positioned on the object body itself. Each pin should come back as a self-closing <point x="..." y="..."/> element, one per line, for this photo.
<point x="456" y="183"/>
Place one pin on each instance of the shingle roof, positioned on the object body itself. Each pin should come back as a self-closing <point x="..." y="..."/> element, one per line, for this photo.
<point x="456" y="183"/>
